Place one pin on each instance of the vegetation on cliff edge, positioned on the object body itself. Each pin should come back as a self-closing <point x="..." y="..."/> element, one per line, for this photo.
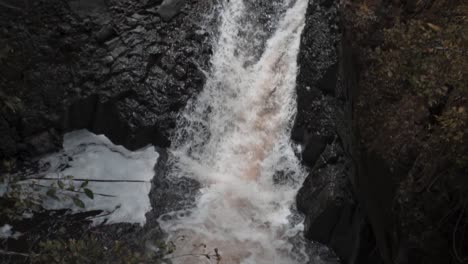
<point x="412" y="110"/>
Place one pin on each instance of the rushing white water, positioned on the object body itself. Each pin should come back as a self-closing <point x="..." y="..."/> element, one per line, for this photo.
<point x="235" y="140"/>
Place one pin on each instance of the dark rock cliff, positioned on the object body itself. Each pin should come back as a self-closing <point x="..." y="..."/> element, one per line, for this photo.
<point x="119" y="68"/>
<point x="326" y="87"/>
<point x="394" y="190"/>
<point x="324" y="128"/>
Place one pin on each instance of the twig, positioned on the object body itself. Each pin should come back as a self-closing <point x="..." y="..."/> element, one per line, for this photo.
<point x="83" y="180"/>
<point x="100" y="194"/>
<point x="428" y="188"/>
<point x="13" y="253"/>
<point x="442" y="220"/>
<point x="11" y="7"/>
<point x="104" y="215"/>
<point x="216" y="256"/>
<point x="454" y="234"/>
<point x="193" y="255"/>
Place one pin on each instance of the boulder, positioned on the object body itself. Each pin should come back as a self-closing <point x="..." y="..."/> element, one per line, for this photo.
<point x="106" y="33"/>
<point x="170" y="8"/>
<point x="43" y="143"/>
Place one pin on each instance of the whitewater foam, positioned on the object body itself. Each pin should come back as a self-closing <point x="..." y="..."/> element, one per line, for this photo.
<point x="234" y="138"/>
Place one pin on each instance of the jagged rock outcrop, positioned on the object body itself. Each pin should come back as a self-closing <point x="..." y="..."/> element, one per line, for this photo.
<point x="403" y="195"/>
<point x="324" y="128"/>
<point x="120" y="68"/>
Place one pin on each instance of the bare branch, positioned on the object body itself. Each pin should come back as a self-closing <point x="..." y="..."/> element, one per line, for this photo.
<point x="11" y="7"/>
<point x="100" y="194"/>
<point x="83" y="180"/>
<point x="13" y="253"/>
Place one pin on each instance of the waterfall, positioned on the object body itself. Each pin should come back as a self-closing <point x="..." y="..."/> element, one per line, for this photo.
<point x="234" y="138"/>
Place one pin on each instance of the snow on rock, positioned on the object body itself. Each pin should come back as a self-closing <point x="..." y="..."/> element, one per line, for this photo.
<point x="94" y="157"/>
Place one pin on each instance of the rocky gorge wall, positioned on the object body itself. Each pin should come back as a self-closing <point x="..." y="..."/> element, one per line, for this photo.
<point x="398" y="192"/>
<point x="126" y="68"/>
<point x="118" y="68"/>
<point x="325" y="87"/>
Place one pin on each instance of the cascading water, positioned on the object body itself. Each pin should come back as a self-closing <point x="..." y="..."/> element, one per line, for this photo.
<point x="234" y="139"/>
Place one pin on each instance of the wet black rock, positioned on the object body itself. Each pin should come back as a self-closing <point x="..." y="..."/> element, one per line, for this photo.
<point x="106" y="33"/>
<point x="169" y="194"/>
<point x="89" y="8"/>
<point x="314" y="147"/>
<point x="323" y="127"/>
<point x="8" y="139"/>
<point x="327" y="83"/>
<point x="90" y="65"/>
<point x="43" y="143"/>
<point x="170" y="8"/>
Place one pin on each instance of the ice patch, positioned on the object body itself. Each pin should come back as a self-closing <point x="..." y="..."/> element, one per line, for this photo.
<point x="94" y="157"/>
